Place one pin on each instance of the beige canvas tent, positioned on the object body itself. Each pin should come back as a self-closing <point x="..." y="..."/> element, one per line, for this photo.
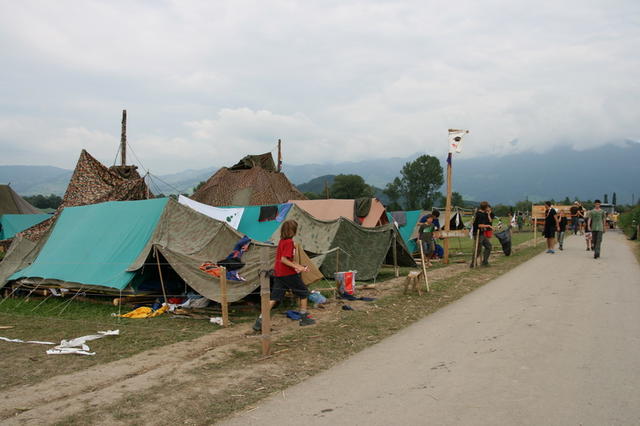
<point x="12" y="203"/>
<point x="333" y="209"/>
<point x="254" y="180"/>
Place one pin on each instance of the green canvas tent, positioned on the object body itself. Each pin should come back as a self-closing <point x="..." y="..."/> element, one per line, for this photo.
<point x="407" y="229"/>
<point x="12" y="203"/>
<point x="108" y="247"/>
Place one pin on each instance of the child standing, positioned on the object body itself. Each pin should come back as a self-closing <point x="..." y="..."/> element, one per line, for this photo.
<point x="287" y="274"/>
<point x="425" y="236"/>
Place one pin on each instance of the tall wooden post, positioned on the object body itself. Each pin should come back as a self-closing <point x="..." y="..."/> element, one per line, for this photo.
<point x="224" y="303"/>
<point x="279" y="155"/>
<point x="326" y="189"/>
<point x="447" y="211"/>
<point x="535" y="228"/>
<point x="265" y="306"/>
<point x="396" y="270"/>
<point x="164" y="292"/>
<point x="123" y="139"/>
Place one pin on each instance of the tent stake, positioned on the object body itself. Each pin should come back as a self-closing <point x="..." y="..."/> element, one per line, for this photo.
<point x="265" y="304"/>
<point x="164" y="292"/>
<point x="224" y="304"/>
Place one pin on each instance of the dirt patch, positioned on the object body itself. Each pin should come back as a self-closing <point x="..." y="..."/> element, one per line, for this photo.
<point x="203" y="380"/>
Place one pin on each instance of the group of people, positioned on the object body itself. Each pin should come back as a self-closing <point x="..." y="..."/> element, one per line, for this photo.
<point x="591" y="223"/>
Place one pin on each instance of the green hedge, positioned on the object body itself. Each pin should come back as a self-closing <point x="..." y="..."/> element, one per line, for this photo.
<point x="629" y="220"/>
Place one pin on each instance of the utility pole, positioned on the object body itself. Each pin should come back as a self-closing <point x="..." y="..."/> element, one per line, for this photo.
<point x="279" y="155"/>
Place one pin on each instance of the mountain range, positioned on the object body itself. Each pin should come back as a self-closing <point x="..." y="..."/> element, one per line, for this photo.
<point x="558" y="173"/>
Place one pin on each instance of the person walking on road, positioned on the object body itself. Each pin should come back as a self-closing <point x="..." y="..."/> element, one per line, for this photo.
<point x="482" y="231"/>
<point x="597" y="221"/>
<point x="575" y="222"/>
<point x="562" y="223"/>
<point x="551" y="226"/>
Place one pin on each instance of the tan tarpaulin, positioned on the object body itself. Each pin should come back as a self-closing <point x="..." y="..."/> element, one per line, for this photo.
<point x="333" y="209"/>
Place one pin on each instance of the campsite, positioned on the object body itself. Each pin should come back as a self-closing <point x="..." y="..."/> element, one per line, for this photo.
<point x="324" y="213"/>
<point x="112" y="248"/>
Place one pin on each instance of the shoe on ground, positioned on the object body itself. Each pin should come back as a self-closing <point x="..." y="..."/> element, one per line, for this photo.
<point x="560" y="248"/>
<point x="552" y="251"/>
<point x="257" y="326"/>
<point x="548" y="251"/>
<point x="588" y="249"/>
<point x="485" y="264"/>
<point x="306" y="320"/>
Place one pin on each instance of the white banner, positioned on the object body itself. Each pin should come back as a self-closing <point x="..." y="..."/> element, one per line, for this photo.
<point x="455" y="140"/>
<point x="232" y="215"/>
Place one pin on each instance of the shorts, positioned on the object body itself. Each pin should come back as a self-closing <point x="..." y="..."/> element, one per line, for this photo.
<point x="549" y="233"/>
<point x="288" y="282"/>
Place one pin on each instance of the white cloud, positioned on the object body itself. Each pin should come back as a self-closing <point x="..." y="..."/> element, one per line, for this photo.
<point x="337" y="80"/>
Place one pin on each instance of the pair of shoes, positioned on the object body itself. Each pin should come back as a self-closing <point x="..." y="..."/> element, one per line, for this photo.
<point x="548" y="251"/>
<point x="306" y="320"/>
<point x="552" y="251"/>
<point x="588" y="249"/>
<point x="485" y="264"/>
<point x="257" y="326"/>
<point x="560" y="248"/>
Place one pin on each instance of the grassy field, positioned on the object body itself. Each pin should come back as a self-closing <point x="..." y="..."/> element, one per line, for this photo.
<point x="56" y="319"/>
<point x="310" y="349"/>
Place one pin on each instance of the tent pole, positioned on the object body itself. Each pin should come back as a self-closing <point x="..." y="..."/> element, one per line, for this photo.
<point x="279" y="155"/>
<point x="396" y="270"/>
<point x="265" y="306"/>
<point x="424" y="268"/>
<point x="123" y="139"/>
<point x="224" y="304"/>
<point x="474" y="262"/>
<point x="164" y="292"/>
<point x="533" y="221"/>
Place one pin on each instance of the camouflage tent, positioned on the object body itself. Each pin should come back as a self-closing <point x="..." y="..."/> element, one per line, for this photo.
<point x="109" y="248"/>
<point x="92" y="183"/>
<point x="252" y="181"/>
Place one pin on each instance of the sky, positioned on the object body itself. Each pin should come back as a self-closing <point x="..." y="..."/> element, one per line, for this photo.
<point x="206" y="82"/>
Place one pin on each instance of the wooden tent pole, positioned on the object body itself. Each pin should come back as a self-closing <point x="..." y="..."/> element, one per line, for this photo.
<point x="265" y="307"/>
<point x="474" y="262"/>
<point x="224" y="304"/>
<point x="535" y="228"/>
<point x="396" y="270"/>
<point x="424" y="268"/>
<point x="123" y="139"/>
<point x="279" y="155"/>
<point x="164" y="292"/>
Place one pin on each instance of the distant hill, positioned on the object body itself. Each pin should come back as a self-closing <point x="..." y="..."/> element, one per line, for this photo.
<point x="561" y="172"/>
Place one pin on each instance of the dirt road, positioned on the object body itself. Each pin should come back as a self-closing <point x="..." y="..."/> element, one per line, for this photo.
<point x="555" y="342"/>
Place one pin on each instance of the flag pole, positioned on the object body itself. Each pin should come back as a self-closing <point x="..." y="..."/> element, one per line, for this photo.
<point x="447" y="214"/>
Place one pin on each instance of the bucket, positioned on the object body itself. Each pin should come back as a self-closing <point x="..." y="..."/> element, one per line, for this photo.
<point x="346" y="282"/>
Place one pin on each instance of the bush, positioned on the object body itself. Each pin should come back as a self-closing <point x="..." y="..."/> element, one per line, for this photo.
<point x="629" y="220"/>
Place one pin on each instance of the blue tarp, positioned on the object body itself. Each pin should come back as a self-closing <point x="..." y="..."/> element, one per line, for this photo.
<point x="11" y="224"/>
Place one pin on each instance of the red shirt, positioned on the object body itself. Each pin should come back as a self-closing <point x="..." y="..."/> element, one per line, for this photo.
<point x="286" y="249"/>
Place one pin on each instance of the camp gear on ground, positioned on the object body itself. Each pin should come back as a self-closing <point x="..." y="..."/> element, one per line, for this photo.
<point x="505" y="241"/>
<point x="346" y="281"/>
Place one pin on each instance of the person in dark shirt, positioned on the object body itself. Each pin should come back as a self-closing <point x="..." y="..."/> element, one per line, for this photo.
<point x="563" y="227"/>
<point x="551" y="226"/>
<point x="482" y="230"/>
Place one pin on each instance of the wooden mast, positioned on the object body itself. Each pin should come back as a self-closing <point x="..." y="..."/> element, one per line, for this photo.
<point x="123" y="139"/>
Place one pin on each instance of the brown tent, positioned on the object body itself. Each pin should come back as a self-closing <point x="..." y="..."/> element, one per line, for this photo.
<point x="12" y="203"/>
<point x="253" y="181"/>
<point x="93" y="183"/>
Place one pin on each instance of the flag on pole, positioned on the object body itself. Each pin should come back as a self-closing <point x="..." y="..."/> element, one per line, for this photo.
<point x="455" y="140"/>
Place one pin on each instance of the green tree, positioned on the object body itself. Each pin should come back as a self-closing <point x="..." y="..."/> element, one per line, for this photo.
<point x="393" y="191"/>
<point x="566" y="201"/>
<point x="614" y="199"/>
<point x="456" y="199"/>
<point x="198" y="186"/>
<point x="420" y="180"/>
<point x="350" y="186"/>
<point x="312" y="195"/>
